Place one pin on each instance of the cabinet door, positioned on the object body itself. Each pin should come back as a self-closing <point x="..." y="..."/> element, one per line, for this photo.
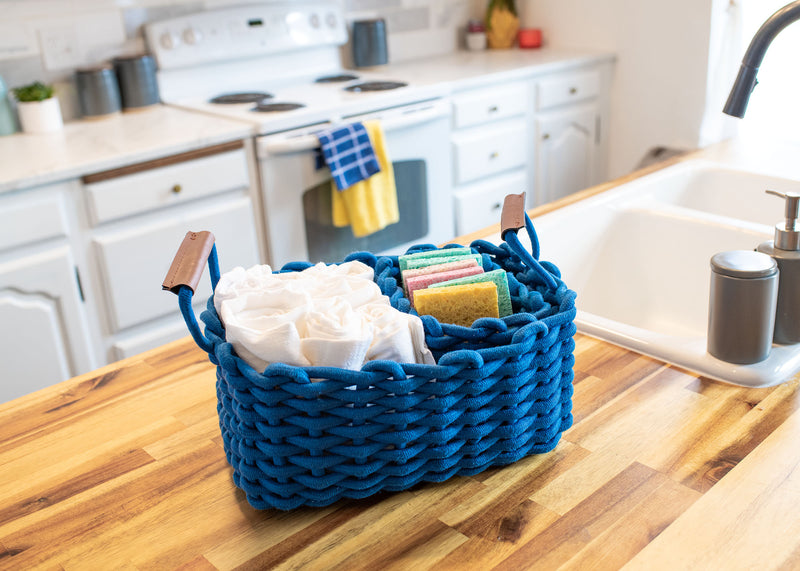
<point x="44" y="339"/>
<point x="133" y="262"/>
<point x="565" y="151"/>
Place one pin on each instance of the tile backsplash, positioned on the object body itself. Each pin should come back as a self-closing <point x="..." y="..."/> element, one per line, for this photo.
<point x="49" y="39"/>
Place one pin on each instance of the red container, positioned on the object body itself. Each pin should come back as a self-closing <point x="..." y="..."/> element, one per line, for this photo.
<point x="530" y="38"/>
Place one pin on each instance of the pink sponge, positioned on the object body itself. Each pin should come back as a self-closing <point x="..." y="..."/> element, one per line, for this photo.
<point x="446" y="267"/>
<point x="421" y="282"/>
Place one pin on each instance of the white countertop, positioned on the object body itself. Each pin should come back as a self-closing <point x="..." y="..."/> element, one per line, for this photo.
<point x="466" y="69"/>
<point x="91" y="145"/>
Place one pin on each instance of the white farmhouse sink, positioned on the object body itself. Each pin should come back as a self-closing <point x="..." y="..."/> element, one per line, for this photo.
<point x="638" y="257"/>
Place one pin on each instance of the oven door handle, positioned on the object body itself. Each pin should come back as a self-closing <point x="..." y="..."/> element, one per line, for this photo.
<point x="309" y="142"/>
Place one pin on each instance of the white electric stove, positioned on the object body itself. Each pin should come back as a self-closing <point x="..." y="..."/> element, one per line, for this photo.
<point x="278" y="66"/>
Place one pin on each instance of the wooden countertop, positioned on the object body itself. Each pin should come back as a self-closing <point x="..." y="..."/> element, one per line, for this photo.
<point x="123" y="468"/>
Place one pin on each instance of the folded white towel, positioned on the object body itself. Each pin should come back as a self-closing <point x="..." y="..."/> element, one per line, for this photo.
<point x="323" y="316"/>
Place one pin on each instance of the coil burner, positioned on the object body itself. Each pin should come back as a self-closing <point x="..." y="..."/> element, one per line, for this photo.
<point x="375" y="86"/>
<point x="267" y="107"/>
<point x="336" y="78"/>
<point x="248" y="97"/>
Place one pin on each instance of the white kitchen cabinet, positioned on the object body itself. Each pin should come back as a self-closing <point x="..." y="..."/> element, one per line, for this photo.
<point x="45" y="337"/>
<point x="134" y="261"/>
<point x="491" y="151"/>
<point x="136" y="217"/>
<point x="566" y="152"/>
<point x="480" y="204"/>
<point x="570" y="149"/>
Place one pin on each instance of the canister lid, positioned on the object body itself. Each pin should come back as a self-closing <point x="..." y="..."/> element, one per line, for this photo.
<point x="743" y="264"/>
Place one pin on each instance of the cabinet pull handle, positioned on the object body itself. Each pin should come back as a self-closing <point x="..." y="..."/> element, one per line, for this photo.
<point x="493" y="109"/>
<point x="573" y="90"/>
<point x="494" y="155"/>
<point x="176" y="188"/>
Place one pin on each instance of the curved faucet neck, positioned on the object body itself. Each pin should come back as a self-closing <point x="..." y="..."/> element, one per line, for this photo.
<point x="746" y="79"/>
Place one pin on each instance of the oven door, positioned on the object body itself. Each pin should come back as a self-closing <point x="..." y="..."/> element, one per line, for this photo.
<point x="297" y="195"/>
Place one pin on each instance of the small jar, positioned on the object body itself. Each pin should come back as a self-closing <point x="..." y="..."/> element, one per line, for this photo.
<point x="476" y="36"/>
<point x="529" y="38"/>
<point x="741" y="309"/>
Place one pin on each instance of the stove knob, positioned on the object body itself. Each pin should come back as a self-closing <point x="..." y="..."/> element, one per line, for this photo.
<point x="169" y="40"/>
<point x="314" y="20"/>
<point x="331" y="20"/>
<point x="192" y="36"/>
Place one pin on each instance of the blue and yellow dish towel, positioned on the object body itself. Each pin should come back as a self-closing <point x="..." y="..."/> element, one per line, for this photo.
<point x="370" y="204"/>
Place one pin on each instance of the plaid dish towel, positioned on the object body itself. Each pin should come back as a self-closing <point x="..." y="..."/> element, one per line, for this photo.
<point x="348" y="152"/>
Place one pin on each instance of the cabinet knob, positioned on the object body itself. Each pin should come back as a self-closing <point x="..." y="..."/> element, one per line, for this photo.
<point x="493" y="109"/>
<point x="176" y="188"/>
<point x="573" y="90"/>
<point x="497" y="206"/>
<point x="545" y="136"/>
<point x="494" y="155"/>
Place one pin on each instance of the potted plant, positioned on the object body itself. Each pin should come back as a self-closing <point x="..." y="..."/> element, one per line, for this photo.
<point x="502" y="24"/>
<point x="38" y="108"/>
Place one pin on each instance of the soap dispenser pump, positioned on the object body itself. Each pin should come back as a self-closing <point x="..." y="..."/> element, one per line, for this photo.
<point x="785" y="249"/>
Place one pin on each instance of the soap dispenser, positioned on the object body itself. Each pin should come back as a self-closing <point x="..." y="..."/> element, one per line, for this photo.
<point x="785" y="249"/>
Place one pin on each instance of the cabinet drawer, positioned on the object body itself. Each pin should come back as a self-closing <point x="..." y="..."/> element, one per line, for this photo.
<point x="567" y="88"/>
<point x="489" y="152"/>
<point x="489" y="104"/>
<point x="160" y="186"/>
<point x="480" y="205"/>
<point x="31" y="217"/>
<point x="133" y="262"/>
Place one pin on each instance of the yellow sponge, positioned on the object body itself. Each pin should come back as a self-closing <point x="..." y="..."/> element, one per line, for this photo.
<point x="459" y="304"/>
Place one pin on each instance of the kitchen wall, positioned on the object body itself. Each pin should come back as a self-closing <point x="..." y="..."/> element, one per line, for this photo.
<point x="48" y="39"/>
<point x="660" y="83"/>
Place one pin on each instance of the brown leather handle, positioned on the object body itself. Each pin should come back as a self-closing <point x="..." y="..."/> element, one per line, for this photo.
<point x="187" y="267"/>
<point x="513" y="215"/>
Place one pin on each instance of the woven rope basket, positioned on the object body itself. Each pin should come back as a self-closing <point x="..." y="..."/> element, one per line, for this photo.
<point x="501" y="390"/>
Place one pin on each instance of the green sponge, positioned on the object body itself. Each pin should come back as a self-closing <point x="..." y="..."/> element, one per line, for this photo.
<point x="430" y="255"/>
<point x="500" y="279"/>
<point x="426" y="262"/>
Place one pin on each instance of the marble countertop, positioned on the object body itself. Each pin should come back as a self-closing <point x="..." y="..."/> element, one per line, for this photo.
<point x="93" y="145"/>
<point x="467" y="69"/>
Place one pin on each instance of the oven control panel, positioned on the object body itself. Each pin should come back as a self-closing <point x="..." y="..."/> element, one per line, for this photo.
<point x="242" y="32"/>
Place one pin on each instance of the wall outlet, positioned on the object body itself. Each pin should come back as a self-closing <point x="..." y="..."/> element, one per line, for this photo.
<point x="60" y="47"/>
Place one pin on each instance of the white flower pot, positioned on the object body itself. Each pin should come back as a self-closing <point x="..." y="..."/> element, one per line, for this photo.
<point x="40" y="116"/>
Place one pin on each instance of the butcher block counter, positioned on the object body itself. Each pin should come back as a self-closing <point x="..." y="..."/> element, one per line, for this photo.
<point x="123" y="468"/>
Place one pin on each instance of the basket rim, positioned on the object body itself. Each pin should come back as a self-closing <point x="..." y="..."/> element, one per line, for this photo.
<point x="524" y="324"/>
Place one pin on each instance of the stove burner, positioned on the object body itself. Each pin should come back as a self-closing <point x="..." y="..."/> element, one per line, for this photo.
<point x="336" y="78"/>
<point x="375" y="86"/>
<point x="252" y="97"/>
<point x="265" y="107"/>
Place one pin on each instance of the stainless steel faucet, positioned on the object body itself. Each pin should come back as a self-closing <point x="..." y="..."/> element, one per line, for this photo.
<point x="746" y="79"/>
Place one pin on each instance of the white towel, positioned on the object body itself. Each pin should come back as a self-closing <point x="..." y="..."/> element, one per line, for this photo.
<point x="323" y="316"/>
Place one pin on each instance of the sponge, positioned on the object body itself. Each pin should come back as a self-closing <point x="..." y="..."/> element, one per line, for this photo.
<point x="446" y="267"/>
<point x="431" y="254"/>
<point x="459" y="304"/>
<point x="425" y="262"/>
<point x="423" y="281"/>
<point x="499" y="278"/>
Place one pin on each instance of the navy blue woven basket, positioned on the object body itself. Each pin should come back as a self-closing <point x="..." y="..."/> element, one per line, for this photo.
<point x="500" y="390"/>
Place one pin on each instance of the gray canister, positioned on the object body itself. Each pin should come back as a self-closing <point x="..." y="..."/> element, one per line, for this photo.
<point x="98" y="92"/>
<point x="369" y="43"/>
<point x="137" y="81"/>
<point x="741" y="310"/>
